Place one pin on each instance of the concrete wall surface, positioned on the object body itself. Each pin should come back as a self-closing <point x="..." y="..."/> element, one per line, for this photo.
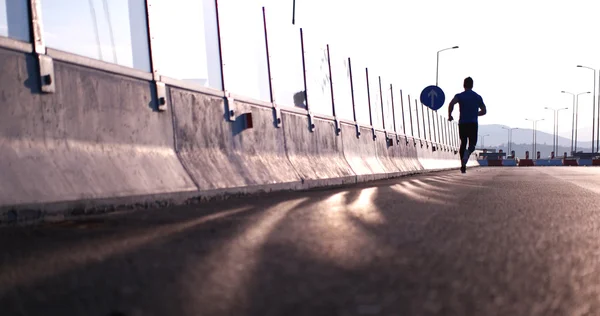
<point x="403" y="155"/>
<point x="96" y="137"/>
<point x="316" y="155"/>
<point x="219" y="154"/>
<point x="360" y="152"/>
<point x="385" y="155"/>
<point x="98" y="142"/>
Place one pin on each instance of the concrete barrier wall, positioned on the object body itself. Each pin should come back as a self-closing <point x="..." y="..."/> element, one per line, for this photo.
<point x="360" y="153"/>
<point x="444" y="159"/>
<point x="511" y="163"/>
<point x="548" y="162"/>
<point x="585" y="162"/>
<point x="439" y="159"/>
<point x="317" y="156"/>
<point x="95" y="138"/>
<point x="405" y="156"/>
<point x="385" y="155"/>
<point x="98" y="138"/>
<point x="219" y="154"/>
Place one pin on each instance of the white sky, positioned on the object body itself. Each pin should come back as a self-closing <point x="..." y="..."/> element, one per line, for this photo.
<point x="521" y="54"/>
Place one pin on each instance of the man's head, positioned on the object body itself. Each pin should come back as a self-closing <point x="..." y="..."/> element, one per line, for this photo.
<point x="468" y="83"/>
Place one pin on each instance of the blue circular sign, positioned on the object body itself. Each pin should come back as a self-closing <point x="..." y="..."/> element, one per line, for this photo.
<point x="433" y="97"/>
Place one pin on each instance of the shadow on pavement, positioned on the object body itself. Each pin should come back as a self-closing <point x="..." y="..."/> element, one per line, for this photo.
<point x="396" y="247"/>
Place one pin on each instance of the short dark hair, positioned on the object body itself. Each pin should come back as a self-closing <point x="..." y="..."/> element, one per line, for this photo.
<point x="468" y="83"/>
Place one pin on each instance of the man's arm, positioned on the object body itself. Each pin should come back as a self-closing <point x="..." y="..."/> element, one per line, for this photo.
<point x="451" y="108"/>
<point x="482" y="109"/>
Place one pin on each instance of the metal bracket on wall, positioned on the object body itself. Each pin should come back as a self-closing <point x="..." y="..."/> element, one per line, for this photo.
<point x="338" y="127"/>
<point x="229" y="107"/>
<point x="161" y="96"/>
<point x="45" y="62"/>
<point x="357" y="131"/>
<point x="311" y="122"/>
<point x="46" y="67"/>
<point x="373" y="132"/>
<point x="388" y="140"/>
<point x="277" y="116"/>
<point x="160" y="87"/>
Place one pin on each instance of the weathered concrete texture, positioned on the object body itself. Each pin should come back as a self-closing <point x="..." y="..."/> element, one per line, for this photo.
<point x="96" y="137"/>
<point x="316" y="155"/>
<point x="360" y="154"/>
<point x="408" y="154"/>
<point x="219" y="154"/>
<point x="384" y="155"/>
<point x="97" y="142"/>
<point x="398" y="154"/>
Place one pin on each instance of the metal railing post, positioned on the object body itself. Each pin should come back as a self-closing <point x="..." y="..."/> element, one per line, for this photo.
<point x="394" y="114"/>
<point x="369" y="99"/>
<point x="45" y="62"/>
<point x="311" y="119"/>
<point x="353" y="101"/>
<point x="276" y="110"/>
<point x="338" y="128"/>
<point x="412" y="130"/>
<point x="424" y="129"/>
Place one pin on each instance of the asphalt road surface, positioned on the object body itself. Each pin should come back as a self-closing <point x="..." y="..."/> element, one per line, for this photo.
<point x="495" y="241"/>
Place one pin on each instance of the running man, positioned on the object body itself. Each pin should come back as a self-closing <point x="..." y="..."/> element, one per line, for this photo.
<point x="471" y="107"/>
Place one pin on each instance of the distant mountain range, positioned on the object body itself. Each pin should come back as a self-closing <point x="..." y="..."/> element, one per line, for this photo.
<point x="522" y="141"/>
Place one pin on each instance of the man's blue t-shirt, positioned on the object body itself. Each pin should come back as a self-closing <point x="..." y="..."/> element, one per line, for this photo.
<point x="469" y="102"/>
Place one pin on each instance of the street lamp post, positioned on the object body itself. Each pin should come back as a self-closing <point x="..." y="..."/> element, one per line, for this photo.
<point x="508" y="140"/>
<point x="573" y="126"/>
<point x="509" y="130"/>
<point x="575" y="121"/>
<point x="483" y="140"/>
<point x="594" y="105"/>
<point x="534" y="143"/>
<point x="577" y="118"/>
<point x="555" y="133"/>
<point x="437" y="67"/>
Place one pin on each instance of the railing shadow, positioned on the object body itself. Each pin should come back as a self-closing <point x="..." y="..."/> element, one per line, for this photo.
<point x="359" y="250"/>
